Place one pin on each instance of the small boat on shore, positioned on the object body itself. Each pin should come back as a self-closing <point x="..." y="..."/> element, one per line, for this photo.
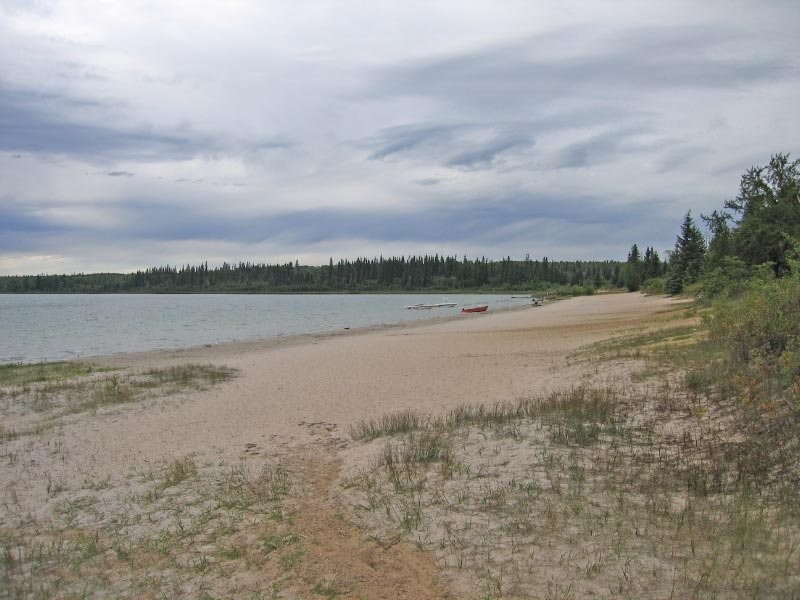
<point x="475" y="309"/>
<point x="434" y="305"/>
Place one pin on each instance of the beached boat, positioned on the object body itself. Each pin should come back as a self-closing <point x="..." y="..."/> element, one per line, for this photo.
<point x="434" y="305"/>
<point x="475" y="309"/>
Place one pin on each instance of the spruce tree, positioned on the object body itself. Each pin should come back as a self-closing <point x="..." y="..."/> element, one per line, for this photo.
<point x="686" y="262"/>
<point x="632" y="270"/>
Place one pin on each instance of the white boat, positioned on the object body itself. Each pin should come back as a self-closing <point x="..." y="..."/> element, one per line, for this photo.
<point x="434" y="305"/>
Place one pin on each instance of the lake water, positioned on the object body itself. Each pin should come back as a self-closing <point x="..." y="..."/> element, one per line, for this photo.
<point x="62" y="327"/>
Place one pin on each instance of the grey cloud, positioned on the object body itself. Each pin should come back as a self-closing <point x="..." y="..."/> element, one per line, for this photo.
<point x="428" y="181"/>
<point x="118" y="174"/>
<point x="50" y="123"/>
<point x="43" y="123"/>
<point x="485" y="155"/>
<point x="603" y="147"/>
<point x="400" y="139"/>
<point x="680" y="156"/>
<point x="22" y="228"/>
<point x="522" y="74"/>
<point x="461" y="225"/>
<point x="460" y="146"/>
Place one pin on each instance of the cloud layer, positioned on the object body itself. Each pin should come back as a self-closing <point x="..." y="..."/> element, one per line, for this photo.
<point x="136" y="134"/>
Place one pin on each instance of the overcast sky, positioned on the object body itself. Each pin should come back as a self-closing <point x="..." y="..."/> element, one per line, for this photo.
<point x="135" y="134"/>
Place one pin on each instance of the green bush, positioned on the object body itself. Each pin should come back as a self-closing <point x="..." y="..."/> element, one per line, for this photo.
<point x="761" y="331"/>
<point x="653" y="286"/>
<point x="727" y="280"/>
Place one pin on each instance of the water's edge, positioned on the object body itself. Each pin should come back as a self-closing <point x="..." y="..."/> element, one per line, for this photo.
<point x="81" y="326"/>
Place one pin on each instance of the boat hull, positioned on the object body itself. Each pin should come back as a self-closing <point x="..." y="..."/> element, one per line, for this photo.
<point x="475" y="309"/>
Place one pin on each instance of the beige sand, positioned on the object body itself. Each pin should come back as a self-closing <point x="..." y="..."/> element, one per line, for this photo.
<point x="290" y="394"/>
<point x="296" y="400"/>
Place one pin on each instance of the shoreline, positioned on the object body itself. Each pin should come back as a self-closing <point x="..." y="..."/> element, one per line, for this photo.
<point x="265" y="343"/>
<point x="181" y="328"/>
<point x="339" y="378"/>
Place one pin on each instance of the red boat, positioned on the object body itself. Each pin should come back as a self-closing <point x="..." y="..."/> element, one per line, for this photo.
<point x="481" y="308"/>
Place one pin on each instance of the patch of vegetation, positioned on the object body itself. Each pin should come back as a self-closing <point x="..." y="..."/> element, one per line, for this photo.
<point x="19" y="375"/>
<point x="157" y="544"/>
<point x="178" y="471"/>
<point x="397" y="422"/>
<point x="87" y="389"/>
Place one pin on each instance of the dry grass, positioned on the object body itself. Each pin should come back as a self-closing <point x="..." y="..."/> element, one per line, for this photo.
<point x="33" y="397"/>
<point x="180" y="530"/>
<point x="645" y="489"/>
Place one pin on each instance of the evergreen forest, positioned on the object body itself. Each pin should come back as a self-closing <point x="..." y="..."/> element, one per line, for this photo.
<point x="396" y="274"/>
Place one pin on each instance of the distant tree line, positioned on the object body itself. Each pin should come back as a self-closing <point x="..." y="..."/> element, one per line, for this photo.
<point x="395" y="274"/>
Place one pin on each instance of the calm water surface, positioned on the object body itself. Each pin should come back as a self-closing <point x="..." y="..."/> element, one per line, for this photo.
<point x="58" y="327"/>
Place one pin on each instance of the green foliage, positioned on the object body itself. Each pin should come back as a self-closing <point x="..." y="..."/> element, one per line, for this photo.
<point x="653" y="286"/>
<point x="721" y="245"/>
<point x="728" y="278"/>
<point x="762" y="331"/>
<point x="639" y="269"/>
<point x="686" y="262"/>
<point x="768" y="211"/>
<point x="632" y="270"/>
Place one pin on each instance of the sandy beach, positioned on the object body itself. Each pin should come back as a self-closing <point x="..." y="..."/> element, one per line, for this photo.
<point x="286" y="392"/>
<point x="296" y="400"/>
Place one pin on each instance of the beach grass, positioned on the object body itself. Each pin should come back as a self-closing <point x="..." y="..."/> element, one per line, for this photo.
<point x="44" y="394"/>
<point x="19" y="375"/>
<point x="188" y="529"/>
<point x="656" y="486"/>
